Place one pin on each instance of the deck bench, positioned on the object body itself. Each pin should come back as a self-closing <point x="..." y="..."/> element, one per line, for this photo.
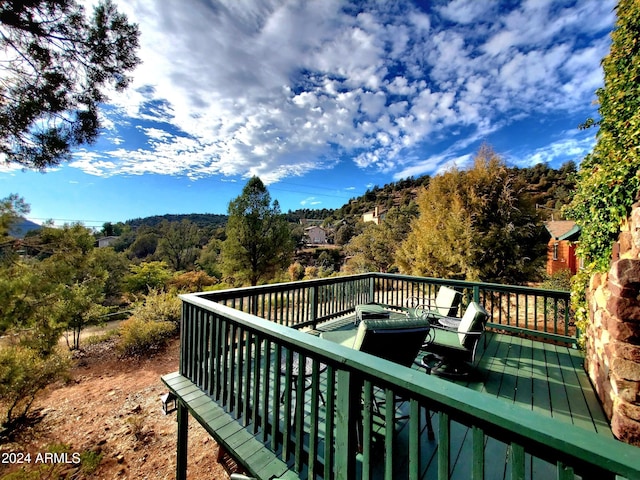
<point x="241" y="444"/>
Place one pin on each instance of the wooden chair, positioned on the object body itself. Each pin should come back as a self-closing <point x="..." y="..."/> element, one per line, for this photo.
<point x="452" y="352"/>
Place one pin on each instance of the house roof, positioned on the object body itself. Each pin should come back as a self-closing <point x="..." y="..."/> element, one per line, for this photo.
<point x="563" y="229"/>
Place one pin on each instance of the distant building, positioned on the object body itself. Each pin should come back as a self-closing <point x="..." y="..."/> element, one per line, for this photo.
<point x="316" y="235"/>
<point x="106" y="241"/>
<point x="376" y="216"/>
<point x="561" y="248"/>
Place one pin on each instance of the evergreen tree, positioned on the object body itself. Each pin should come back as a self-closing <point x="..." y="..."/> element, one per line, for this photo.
<point x="56" y="65"/>
<point x="258" y="239"/>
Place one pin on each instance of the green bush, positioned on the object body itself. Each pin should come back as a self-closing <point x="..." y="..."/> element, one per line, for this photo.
<point x="23" y="373"/>
<point x="90" y="461"/>
<point x="560" y="280"/>
<point x="139" y="336"/>
<point x="159" y="306"/>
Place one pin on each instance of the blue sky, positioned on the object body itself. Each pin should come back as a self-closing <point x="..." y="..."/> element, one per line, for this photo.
<point x="323" y="99"/>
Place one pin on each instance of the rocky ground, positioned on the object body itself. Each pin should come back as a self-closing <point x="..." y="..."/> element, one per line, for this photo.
<point x="108" y="415"/>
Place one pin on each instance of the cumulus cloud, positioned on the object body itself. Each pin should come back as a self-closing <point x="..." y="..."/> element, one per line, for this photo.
<point x="279" y="88"/>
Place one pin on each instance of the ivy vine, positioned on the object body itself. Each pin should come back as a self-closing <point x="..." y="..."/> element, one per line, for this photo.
<point x="608" y="181"/>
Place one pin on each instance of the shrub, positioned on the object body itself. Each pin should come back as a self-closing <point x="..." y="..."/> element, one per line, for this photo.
<point x="138" y="336"/>
<point x="193" y="281"/>
<point x="159" y="306"/>
<point x="23" y="374"/>
<point x="560" y="280"/>
<point x="295" y="271"/>
<point x="90" y="461"/>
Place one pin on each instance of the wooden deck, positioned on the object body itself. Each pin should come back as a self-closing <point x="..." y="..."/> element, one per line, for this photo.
<point x="541" y="377"/>
<point x="545" y="378"/>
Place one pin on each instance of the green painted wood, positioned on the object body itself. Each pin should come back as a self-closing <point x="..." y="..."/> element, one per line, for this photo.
<point x="579" y="409"/>
<point x="299" y="413"/>
<point x="287" y="404"/>
<point x="540" y="383"/>
<point x="524" y="385"/>
<point x="226" y="431"/>
<point x="389" y="420"/>
<point x="559" y="402"/>
<point x="314" y="419"/>
<point x="443" y="446"/>
<point x="367" y="428"/>
<point x="277" y="389"/>
<point x="460" y="451"/>
<point x="183" y="431"/>
<point x="600" y="420"/>
<point x="329" y="430"/>
<point x="345" y="437"/>
<point x="478" y="459"/>
<point x="510" y="370"/>
<point x="414" y="439"/>
<point x="517" y="462"/>
<point x="347" y="362"/>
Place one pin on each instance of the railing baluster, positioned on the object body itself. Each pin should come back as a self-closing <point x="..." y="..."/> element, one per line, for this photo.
<point x="277" y="388"/>
<point x="516" y="457"/>
<point x="477" y="471"/>
<point x="366" y="427"/>
<point x="389" y="424"/>
<point x="414" y="438"/>
<point x="444" y="436"/>
<point x="313" y="418"/>
<point x="329" y="423"/>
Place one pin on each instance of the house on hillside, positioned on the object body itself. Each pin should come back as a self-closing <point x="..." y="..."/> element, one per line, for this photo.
<point x="376" y="216"/>
<point x="561" y="248"/>
<point x="316" y="235"/>
<point x="107" y="241"/>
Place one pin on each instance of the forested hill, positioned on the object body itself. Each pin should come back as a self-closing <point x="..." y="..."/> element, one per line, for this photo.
<point x="549" y="188"/>
<point x="200" y="219"/>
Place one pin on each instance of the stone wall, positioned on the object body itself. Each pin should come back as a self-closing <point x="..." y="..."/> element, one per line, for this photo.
<point x="613" y="336"/>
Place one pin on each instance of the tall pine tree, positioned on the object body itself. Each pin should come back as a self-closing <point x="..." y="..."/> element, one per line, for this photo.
<point x="259" y="241"/>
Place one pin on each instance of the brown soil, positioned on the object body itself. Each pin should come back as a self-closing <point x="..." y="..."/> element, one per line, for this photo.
<point x="111" y="407"/>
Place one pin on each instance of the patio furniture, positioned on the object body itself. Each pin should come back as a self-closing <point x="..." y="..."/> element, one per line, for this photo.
<point x="370" y="310"/>
<point x="295" y="373"/>
<point x="397" y="339"/>
<point x="451" y="352"/>
<point x="444" y="305"/>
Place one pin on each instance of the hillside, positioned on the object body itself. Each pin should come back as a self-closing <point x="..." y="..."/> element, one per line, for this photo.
<point x="110" y="411"/>
<point x="548" y="187"/>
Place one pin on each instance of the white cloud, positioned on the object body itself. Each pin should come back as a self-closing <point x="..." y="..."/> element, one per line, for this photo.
<point x="277" y="88"/>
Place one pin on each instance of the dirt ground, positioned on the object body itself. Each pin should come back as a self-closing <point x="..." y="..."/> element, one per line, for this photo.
<point x="110" y="410"/>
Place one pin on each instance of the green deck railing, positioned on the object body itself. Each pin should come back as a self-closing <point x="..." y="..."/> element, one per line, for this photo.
<point x="353" y="415"/>
<point x="308" y="303"/>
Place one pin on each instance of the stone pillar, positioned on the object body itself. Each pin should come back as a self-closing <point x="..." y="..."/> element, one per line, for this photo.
<point x="613" y="345"/>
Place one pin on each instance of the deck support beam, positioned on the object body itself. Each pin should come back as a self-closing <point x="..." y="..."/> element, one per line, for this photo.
<point x="183" y="438"/>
